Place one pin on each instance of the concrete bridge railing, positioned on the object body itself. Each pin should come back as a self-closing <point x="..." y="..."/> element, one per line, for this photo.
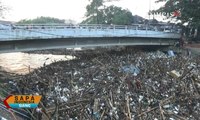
<point x="22" y="32"/>
<point x="37" y="37"/>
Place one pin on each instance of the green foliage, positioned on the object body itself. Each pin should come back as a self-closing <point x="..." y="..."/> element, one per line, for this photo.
<point x="117" y="15"/>
<point x="93" y="8"/>
<point x="94" y="11"/>
<point x="121" y="16"/>
<point x="42" y="20"/>
<point x="107" y="15"/>
<point x="188" y="9"/>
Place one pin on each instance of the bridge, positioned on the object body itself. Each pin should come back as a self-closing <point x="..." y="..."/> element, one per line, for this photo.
<point x="37" y="37"/>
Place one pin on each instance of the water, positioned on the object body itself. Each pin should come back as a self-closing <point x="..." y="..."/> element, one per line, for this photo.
<point x="22" y="63"/>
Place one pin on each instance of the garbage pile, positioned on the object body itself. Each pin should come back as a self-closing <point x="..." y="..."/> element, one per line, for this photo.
<point x="123" y="85"/>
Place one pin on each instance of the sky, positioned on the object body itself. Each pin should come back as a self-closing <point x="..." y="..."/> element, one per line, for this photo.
<point x="68" y="9"/>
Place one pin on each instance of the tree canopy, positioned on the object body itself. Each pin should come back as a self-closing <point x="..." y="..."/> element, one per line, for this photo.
<point x="41" y="20"/>
<point x="97" y="13"/>
<point x="117" y="15"/>
<point x="187" y="11"/>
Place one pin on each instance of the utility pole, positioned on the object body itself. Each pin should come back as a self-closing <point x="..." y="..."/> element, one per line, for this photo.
<point x="149" y="8"/>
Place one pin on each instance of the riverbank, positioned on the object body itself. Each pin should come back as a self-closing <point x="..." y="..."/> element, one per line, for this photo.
<point x="194" y="48"/>
<point x="125" y="84"/>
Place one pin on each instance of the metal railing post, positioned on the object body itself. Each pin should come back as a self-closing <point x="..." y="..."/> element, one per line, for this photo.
<point x="146" y="29"/>
<point x="126" y="29"/>
<point x="113" y="28"/>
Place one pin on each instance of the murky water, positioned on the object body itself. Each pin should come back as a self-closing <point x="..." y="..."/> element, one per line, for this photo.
<point x="22" y="63"/>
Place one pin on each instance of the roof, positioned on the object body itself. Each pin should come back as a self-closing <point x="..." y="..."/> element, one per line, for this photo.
<point x="6" y="22"/>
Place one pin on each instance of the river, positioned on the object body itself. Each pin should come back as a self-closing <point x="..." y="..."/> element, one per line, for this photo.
<point x="22" y="63"/>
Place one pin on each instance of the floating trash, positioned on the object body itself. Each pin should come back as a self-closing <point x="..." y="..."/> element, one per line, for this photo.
<point x="131" y="69"/>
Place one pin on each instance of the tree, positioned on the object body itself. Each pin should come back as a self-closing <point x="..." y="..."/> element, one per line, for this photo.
<point x="42" y="20"/>
<point x="138" y="19"/>
<point x="93" y="10"/>
<point x="117" y="15"/>
<point x="186" y="11"/>
<point x="99" y="14"/>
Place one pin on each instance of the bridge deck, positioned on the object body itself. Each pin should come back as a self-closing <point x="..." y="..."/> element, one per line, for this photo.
<point x="47" y="32"/>
<point x="45" y="37"/>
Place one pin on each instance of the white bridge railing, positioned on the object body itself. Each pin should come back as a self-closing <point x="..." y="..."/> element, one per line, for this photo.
<point x="159" y="27"/>
<point x="47" y="31"/>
